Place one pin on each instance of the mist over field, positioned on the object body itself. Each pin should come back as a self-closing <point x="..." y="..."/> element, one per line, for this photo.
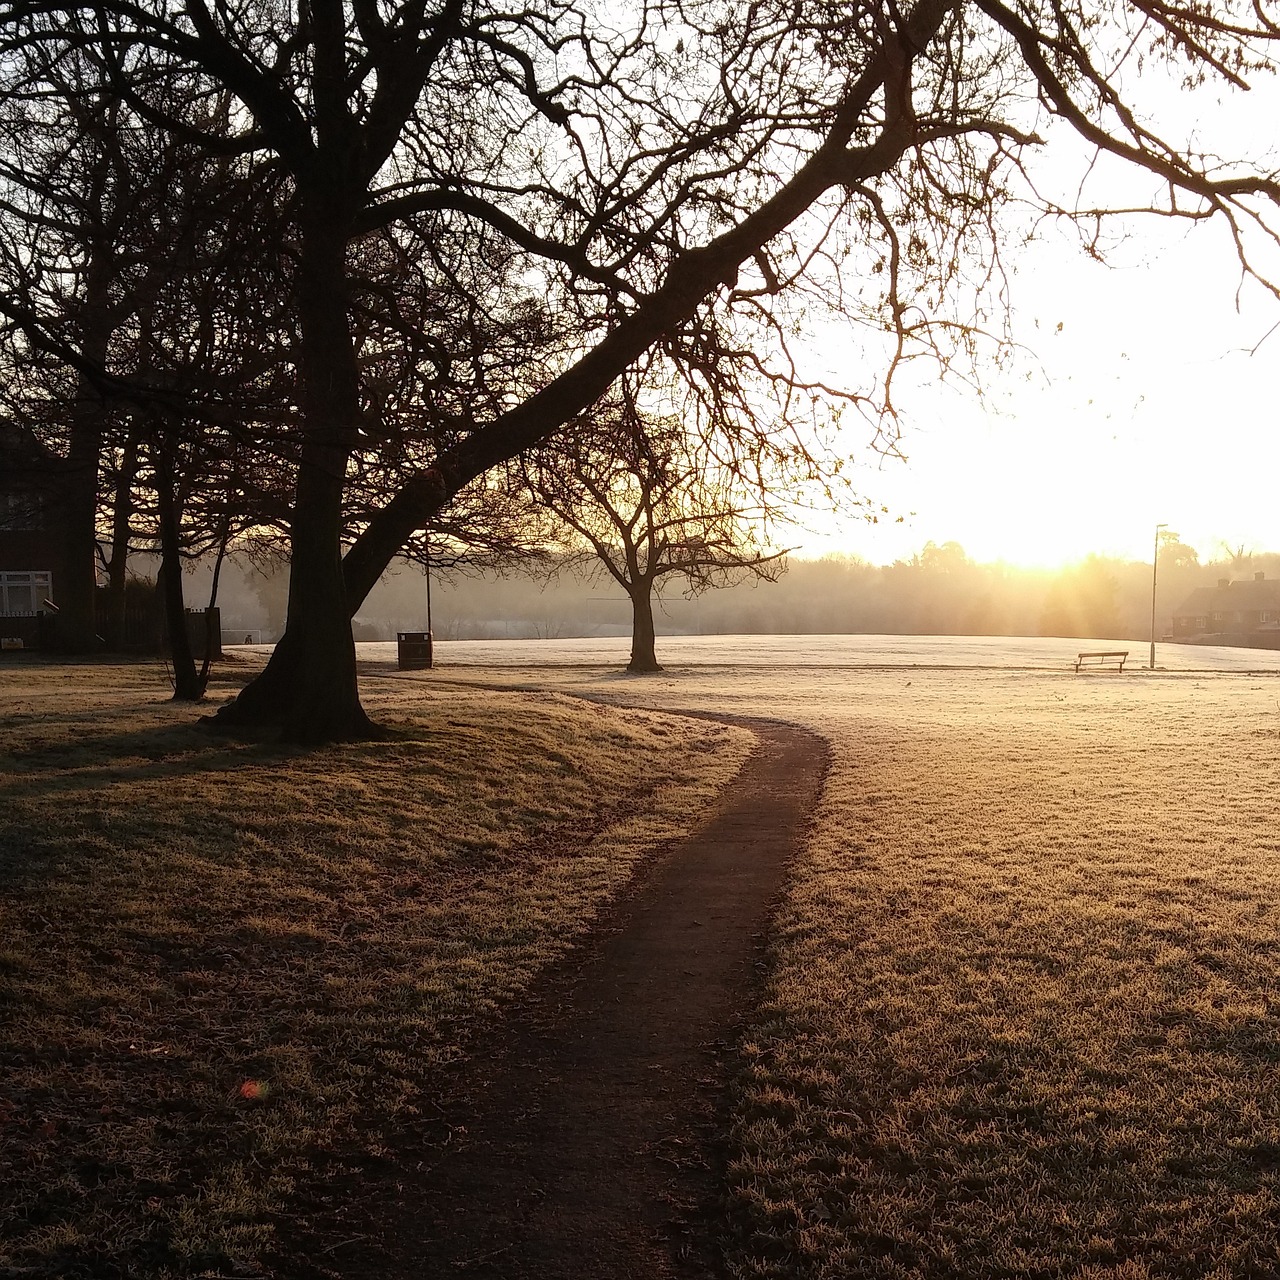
<point x="938" y="592"/>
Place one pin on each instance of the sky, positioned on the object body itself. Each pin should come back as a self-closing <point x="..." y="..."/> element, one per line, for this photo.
<point x="1145" y="407"/>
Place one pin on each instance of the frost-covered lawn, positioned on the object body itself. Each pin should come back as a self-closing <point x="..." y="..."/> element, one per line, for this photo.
<point x="220" y="960"/>
<point x="1023" y="1017"/>
<point x="845" y="651"/>
<point x="1024" y="1012"/>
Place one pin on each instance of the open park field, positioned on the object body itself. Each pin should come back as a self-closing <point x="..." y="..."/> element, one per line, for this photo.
<point x="1023" y="1017"/>
<point x="1022" y="1012"/>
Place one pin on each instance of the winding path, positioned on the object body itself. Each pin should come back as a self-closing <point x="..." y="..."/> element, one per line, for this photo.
<point x="589" y="1148"/>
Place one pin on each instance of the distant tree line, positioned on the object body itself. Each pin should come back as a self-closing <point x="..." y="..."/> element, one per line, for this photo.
<point x="939" y="591"/>
<point x="1097" y="597"/>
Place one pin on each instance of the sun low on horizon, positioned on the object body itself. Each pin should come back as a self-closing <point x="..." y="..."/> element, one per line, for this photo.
<point x="1144" y="398"/>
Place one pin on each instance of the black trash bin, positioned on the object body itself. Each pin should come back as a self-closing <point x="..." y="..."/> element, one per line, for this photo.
<point x="413" y="649"/>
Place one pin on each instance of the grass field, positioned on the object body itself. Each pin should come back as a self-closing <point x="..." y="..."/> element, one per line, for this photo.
<point x="220" y="961"/>
<point x="1024" y="1013"/>
<point x="1023" y="1016"/>
<point x="1026" y="1018"/>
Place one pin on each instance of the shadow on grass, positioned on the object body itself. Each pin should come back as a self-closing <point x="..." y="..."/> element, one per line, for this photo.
<point x="168" y="751"/>
<point x="53" y="817"/>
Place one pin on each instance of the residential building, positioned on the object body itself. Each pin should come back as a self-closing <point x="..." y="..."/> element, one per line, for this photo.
<point x="26" y="559"/>
<point x="1245" y="613"/>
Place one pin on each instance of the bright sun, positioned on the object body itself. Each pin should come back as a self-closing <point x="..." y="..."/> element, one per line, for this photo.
<point x="1145" y="407"/>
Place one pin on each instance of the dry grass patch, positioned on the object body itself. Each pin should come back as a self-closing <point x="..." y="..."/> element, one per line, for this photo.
<point x="1025" y="1018"/>
<point x="219" y="959"/>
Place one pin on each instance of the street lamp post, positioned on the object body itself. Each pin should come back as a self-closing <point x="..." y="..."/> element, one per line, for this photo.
<point x="426" y="573"/>
<point x="1155" y="560"/>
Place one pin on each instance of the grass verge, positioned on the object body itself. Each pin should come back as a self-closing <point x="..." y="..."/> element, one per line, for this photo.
<point x="1024" y="1018"/>
<point x="220" y="961"/>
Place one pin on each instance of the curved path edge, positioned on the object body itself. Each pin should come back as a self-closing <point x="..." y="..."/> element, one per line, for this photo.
<point x="590" y="1146"/>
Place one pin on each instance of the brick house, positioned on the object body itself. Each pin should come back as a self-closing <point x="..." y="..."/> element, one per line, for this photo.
<point x="26" y="556"/>
<point x="1245" y="613"/>
<point x="37" y="563"/>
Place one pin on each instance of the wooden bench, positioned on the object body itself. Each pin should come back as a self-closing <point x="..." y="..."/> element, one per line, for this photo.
<point x="1117" y="656"/>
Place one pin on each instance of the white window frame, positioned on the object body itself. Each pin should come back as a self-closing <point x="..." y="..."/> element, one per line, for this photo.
<point x="38" y="582"/>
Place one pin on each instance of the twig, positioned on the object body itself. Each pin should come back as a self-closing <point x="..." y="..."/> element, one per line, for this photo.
<point x="463" y="1263"/>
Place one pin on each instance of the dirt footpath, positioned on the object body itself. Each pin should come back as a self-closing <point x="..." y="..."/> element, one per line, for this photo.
<point x="587" y="1146"/>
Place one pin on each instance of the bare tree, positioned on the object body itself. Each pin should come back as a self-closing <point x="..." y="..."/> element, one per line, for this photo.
<point x="587" y="185"/>
<point x="179" y="262"/>
<point x="66" y="218"/>
<point x="1238" y="557"/>
<point x="641" y="497"/>
<point x="139" y="328"/>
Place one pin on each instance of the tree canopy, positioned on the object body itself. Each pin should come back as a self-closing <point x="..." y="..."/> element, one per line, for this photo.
<point x="637" y="495"/>
<point x="531" y="202"/>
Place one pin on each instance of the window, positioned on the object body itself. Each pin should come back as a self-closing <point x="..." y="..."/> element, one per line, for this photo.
<point x="21" y="510"/>
<point x="24" y="592"/>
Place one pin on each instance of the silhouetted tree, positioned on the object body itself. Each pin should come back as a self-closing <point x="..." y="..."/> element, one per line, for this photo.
<point x="140" y="329"/>
<point x="1237" y="557"/>
<point x="588" y="187"/>
<point x="650" y="507"/>
<point x="947" y="559"/>
<point x="67" y="215"/>
<point x="1175" y="554"/>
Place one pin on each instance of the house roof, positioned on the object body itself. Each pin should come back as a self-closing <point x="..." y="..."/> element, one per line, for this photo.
<point x="1251" y="594"/>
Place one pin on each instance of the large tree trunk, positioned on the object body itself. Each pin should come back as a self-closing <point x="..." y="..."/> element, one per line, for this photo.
<point x="187" y="685"/>
<point x="643" y="655"/>
<point x="308" y="688"/>
<point x="118" y="566"/>
<point x="321" y="700"/>
<point x="75" y="505"/>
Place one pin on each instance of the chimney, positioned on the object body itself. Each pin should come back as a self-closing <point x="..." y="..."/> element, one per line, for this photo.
<point x="1259" y="577"/>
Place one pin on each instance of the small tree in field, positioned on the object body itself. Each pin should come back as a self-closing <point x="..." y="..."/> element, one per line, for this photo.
<point x="641" y="497"/>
